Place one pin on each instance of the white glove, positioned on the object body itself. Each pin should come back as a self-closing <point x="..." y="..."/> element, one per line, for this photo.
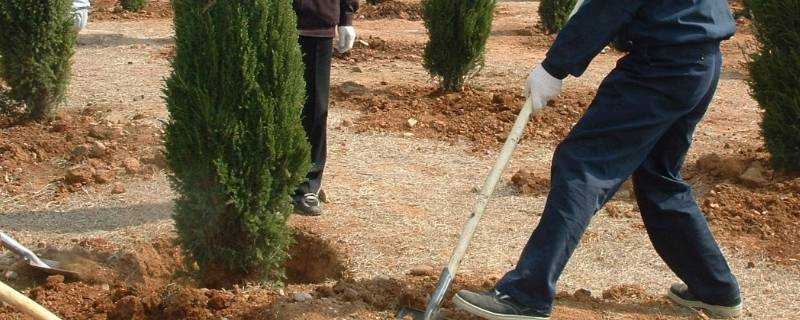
<point x="347" y="37"/>
<point x="80" y="19"/>
<point x="541" y="87"/>
<point x="80" y="14"/>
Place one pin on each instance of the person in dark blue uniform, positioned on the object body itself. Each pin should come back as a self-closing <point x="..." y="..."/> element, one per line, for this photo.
<point x="639" y="125"/>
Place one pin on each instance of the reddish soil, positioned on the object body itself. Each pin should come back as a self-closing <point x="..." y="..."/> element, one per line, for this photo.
<point x="150" y="281"/>
<point x="375" y="48"/>
<point x="765" y="217"/>
<point x="749" y="205"/>
<point x="390" y="9"/>
<point x="528" y="183"/>
<point x="78" y="150"/>
<point x="478" y="116"/>
<point x="111" y="10"/>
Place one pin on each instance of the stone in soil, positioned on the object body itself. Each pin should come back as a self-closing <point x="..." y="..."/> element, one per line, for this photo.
<point x="118" y="189"/>
<point x="132" y="165"/>
<point x="78" y="174"/>
<point x="103" y="176"/>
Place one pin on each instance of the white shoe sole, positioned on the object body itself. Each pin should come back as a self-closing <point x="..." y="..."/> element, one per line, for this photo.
<point x="468" y="307"/>
<point x="712" y="310"/>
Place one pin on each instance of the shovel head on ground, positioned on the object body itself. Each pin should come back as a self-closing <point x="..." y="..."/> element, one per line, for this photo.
<point x="47" y="266"/>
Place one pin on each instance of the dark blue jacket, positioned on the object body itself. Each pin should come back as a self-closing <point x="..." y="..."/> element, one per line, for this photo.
<point x="640" y="23"/>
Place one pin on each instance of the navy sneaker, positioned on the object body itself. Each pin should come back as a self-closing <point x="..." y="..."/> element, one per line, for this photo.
<point x="495" y="305"/>
<point x="679" y="293"/>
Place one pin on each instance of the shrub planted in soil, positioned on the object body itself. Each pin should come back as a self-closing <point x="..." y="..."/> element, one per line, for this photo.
<point x="133" y="5"/>
<point x="36" y="44"/>
<point x="554" y="14"/>
<point x="235" y="142"/>
<point x="775" y="77"/>
<point x="457" y="32"/>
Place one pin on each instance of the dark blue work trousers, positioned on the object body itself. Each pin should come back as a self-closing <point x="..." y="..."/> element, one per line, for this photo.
<point x="640" y="124"/>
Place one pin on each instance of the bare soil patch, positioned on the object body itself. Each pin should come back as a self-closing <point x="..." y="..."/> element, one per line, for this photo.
<point x="151" y="281"/>
<point x="80" y="150"/>
<point x="391" y="9"/>
<point x="112" y="10"/>
<point x="481" y="117"/>
<point x="374" y="48"/>
<point x="766" y="217"/>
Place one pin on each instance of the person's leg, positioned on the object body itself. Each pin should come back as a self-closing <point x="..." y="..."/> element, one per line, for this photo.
<point x="676" y="226"/>
<point x="634" y="108"/>
<point x="317" y="55"/>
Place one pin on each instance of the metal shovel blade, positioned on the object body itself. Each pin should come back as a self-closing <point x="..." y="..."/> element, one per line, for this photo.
<point x="48" y="266"/>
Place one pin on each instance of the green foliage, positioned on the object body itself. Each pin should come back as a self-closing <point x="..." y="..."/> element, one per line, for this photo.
<point x="36" y="44"/>
<point x="554" y="14"/>
<point x="775" y="77"/>
<point x="457" y="33"/>
<point x="133" y="5"/>
<point x="235" y="142"/>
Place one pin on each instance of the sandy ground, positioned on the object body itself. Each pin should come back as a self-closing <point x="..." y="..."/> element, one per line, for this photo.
<point x="398" y="202"/>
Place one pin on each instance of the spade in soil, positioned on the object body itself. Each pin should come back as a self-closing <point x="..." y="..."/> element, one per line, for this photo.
<point x="47" y="266"/>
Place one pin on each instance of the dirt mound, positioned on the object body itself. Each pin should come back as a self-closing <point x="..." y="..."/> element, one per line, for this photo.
<point x="528" y="183"/>
<point x="391" y="9"/>
<point x="376" y="48"/>
<point x="112" y="10"/>
<point x="149" y="281"/>
<point x="478" y="116"/>
<point x="76" y="151"/>
<point x="764" y="217"/>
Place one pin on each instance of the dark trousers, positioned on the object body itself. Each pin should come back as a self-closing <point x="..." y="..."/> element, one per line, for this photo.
<point x="317" y="54"/>
<point x="640" y="124"/>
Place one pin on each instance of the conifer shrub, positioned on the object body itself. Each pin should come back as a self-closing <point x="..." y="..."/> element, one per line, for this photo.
<point x="457" y="32"/>
<point x="775" y="78"/>
<point x="554" y="14"/>
<point x="234" y="140"/>
<point x="36" y="44"/>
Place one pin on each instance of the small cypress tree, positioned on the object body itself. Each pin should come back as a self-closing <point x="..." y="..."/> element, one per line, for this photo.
<point x="554" y="14"/>
<point x="235" y="142"/>
<point x="457" y="32"/>
<point x="775" y="77"/>
<point x="36" y="44"/>
<point x="133" y="5"/>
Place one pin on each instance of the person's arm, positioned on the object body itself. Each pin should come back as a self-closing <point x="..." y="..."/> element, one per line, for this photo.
<point x="592" y="27"/>
<point x="347" y="8"/>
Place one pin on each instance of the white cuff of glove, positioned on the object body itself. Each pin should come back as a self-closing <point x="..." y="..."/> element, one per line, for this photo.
<point x="347" y="37"/>
<point x="541" y="87"/>
<point x="80" y="19"/>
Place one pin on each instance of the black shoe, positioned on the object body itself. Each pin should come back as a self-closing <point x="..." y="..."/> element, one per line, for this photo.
<point x="308" y="205"/>
<point x="679" y="293"/>
<point x="495" y="305"/>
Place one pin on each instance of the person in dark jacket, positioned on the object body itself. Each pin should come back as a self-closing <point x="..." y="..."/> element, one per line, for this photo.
<point x="639" y="125"/>
<point x="317" y="22"/>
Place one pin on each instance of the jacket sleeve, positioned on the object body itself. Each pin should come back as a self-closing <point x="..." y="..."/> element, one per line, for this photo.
<point x="595" y="24"/>
<point x="347" y="8"/>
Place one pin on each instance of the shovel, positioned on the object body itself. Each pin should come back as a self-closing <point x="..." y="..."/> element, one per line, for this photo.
<point x="47" y="266"/>
<point x="446" y="278"/>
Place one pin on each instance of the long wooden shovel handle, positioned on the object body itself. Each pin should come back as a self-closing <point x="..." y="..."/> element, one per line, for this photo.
<point x="449" y="272"/>
<point x="25" y="304"/>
